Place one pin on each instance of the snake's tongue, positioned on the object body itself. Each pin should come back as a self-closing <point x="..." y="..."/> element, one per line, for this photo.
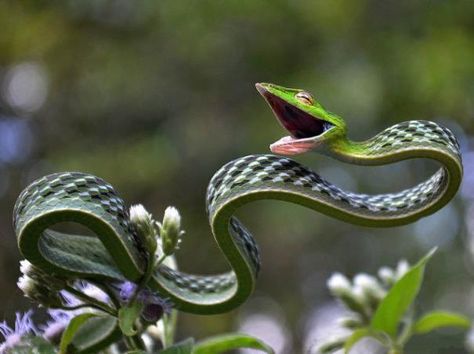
<point x="292" y="146"/>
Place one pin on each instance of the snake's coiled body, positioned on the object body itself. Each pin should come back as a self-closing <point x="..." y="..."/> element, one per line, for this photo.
<point x="116" y="253"/>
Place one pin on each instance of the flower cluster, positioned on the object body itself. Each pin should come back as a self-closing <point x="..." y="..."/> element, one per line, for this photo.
<point x="155" y="306"/>
<point x="40" y="286"/>
<point x="72" y="305"/>
<point x="65" y="299"/>
<point x="363" y="295"/>
<point x="163" y="237"/>
<point x="23" y="327"/>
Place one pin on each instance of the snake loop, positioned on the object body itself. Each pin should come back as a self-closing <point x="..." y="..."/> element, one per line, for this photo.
<point x="116" y="254"/>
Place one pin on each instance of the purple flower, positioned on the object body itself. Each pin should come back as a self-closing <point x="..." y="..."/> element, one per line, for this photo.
<point x="54" y="328"/>
<point x="127" y="289"/>
<point x="155" y="308"/>
<point x="155" y="305"/>
<point x="23" y="326"/>
<point x="59" y="318"/>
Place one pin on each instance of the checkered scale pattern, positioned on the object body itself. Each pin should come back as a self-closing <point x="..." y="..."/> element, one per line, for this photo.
<point x="255" y="174"/>
<point x="92" y="194"/>
<point x="274" y="173"/>
<point x="198" y="284"/>
<point x="413" y="133"/>
<point x="62" y="186"/>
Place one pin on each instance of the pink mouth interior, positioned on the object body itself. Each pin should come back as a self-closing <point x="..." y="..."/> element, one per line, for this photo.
<point x="299" y="124"/>
<point x="291" y="146"/>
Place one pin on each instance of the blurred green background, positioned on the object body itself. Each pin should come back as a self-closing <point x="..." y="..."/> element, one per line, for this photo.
<point x="155" y="96"/>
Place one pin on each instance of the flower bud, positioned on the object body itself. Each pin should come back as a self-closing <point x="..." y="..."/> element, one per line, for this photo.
<point x="339" y="285"/>
<point x="351" y="297"/>
<point x="350" y="322"/>
<point x="39" y="292"/>
<point x="170" y="230"/>
<point x="40" y="286"/>
<point x="370" y="286"/>
<point x="145" y="226"/>
<point x="53" y="281"/>
<point x="402" y="267"/>
<point x="387" y="275"/>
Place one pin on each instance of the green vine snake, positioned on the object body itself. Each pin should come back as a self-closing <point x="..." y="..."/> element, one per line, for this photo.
<point x="115" y="254"/>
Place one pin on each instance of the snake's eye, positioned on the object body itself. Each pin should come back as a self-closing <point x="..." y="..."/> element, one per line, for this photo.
<point x="304" y="97"/>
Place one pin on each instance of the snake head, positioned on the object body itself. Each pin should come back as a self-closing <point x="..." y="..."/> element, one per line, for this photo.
<point x="308" y="123"/>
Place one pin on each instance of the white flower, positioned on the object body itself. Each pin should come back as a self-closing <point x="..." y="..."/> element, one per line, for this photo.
<point x="170" y="230"/>
<point x="402" y="267"/>
<point x="145" y="226"/>
<point x="27" y="285"/>
<point x="172" y="217"/>
<point x="339" y="285"/>
<point x="138" y="214"/>
<point x="369" y="286"/>
<point x="25" y="267"/>
<point x="387" y="275"/>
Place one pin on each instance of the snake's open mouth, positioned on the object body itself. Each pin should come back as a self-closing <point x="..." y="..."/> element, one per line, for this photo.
<point x="303" y="127"/>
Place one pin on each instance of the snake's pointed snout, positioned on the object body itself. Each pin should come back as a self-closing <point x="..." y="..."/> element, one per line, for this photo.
<point x="261" y="88"/>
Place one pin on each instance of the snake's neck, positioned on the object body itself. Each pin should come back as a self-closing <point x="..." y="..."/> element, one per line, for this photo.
<point x="354" y="152"/>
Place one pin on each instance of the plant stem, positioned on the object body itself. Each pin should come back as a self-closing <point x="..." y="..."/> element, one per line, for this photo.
<point x="129" y="343"/>
<point x="406" y="330"/>
<point x="169" y="327"/>
<point x="90" y="301"/>
<point x="151" y="265"/>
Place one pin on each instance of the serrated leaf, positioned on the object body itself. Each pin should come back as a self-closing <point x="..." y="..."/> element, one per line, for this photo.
<point x="70" y="331"/>
<point x="127" y="317"/>
<point x="184" y="347"/>
<point x="355" y="338"/>
<point x="438" y="319"/>
<point x="225" y="342"/>
<point x="397" y="301"/>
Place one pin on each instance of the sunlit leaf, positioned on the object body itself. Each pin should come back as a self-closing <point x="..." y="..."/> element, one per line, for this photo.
<point x="439" y="319"/>
<point x="397" y="301"/>
<point x="184" y="347"/>
<point x="226" y="342"/>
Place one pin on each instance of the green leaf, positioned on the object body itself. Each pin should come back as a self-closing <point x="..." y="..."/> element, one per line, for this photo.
<point x="356" y="337"/>
<point x="225" y="342"/>
<point x="127" y="317"/>
<point x="70" y="331"/>
<point x="399" y="298"/>
<point x="184" y="347"/>
<point x="96" y="334"/>
<point x="438" y="319"/>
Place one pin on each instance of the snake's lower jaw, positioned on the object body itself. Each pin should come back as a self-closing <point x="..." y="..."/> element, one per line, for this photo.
<point x="291" y="146"/>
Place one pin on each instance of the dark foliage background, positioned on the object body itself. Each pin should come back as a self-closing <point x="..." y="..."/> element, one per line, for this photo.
<point x="154" y="96"/>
